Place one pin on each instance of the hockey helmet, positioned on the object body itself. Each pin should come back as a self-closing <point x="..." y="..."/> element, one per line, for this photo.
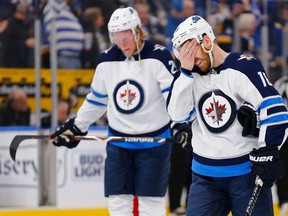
<point x="123" y="19"/>
<point x="193" y="27"/>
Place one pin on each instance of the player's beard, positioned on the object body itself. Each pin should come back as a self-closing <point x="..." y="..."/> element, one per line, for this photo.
<point x="204" y="67"/>
<point x="205" y="63"/>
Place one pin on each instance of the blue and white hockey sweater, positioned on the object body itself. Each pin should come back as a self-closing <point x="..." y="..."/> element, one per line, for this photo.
<point x="133" y="92"/>
<point x="219" y="148"/>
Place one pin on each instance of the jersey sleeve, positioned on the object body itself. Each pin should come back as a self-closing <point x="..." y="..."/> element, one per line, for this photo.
<point x="181" y="105"/>
<point x="254" y="87"/>
<point x="95" y="103"/>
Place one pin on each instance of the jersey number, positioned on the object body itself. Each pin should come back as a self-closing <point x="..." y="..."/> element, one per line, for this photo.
<point x="173" y="67"/>
<point x="264" y="79"/>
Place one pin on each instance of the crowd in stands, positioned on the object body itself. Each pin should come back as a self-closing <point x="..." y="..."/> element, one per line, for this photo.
<point x="81" y="27"/>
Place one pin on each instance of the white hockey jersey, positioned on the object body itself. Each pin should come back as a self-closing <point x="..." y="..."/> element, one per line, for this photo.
<point x="133" y="92"/>
<point x="219" y="149"/>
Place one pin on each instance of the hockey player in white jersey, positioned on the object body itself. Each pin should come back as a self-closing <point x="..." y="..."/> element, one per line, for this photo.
<point x="212" y="88"/>
<point x="131" y="81"/>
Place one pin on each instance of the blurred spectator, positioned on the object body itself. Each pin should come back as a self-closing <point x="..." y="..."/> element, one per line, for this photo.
<point x="225" y="29"/>
<point x="280" y="26"/>
<point x="95" y="42"/>
<point x="247" y="27"/>
<point x="200" y="6"/>
<point x="14" y="111"/>
<point x="63" y="114"/>
<point x="69" y="34"/>
<point x="150" y="24"/>
<point x="17" y="39"/>
<point x="220" y="12"/>
<point x="106" y="6"/>
<point x="159" y="9"/>
<point x="180" y="10"/>
<point x="260" y="20"/>
<point x="271" y="16"/>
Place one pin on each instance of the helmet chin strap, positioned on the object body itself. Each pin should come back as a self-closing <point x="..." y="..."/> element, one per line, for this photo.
<point x="209" y="53"/>
<point x="137" y="39"/>
<point x="137" y="46"/>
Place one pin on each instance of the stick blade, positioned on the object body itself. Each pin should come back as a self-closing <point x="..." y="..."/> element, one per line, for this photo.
<point x="14" y="145"/>
<point x="18" y="139"/>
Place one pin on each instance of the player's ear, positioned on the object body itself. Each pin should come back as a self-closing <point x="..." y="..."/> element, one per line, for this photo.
<point x="207" y="42"/>
<point x="137" y="35"/>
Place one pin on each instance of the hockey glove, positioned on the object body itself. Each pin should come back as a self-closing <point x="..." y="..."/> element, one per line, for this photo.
<point x="267" y="164"/>
<point x="61" y="135"/>
<point x="249" y="119"/>
<point x="182" y="135"/>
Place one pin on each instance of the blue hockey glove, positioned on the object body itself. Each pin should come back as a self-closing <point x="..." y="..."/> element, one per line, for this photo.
<point x="249" y="119"/>
<point x="182" y="135"/>
<point x="61" y="135"/>
<point x="267" y="164"/>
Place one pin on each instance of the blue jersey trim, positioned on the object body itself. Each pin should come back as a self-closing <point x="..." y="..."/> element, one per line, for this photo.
<point x="137" y="145"/>
<point x="189" y="117"/>
<point x="166" y="90"/>
<point x="182" y="72"/>
<point x="271" y="101"/>
<point x="221" y="171"/>
<point x="95" y="103"/>
<point x="98" y="94"/>
<point x="275" y="119"/>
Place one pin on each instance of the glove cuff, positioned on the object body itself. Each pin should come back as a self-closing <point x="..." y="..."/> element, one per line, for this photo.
<point x="267" y="164"/>
<point x="75" y="129"/>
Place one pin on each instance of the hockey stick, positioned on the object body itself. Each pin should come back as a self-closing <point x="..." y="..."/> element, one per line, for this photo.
<point x="254" y="196"/>
<point x="19" y="138"/>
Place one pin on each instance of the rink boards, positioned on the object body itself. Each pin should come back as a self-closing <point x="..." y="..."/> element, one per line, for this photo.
<point x="79" y="185"/>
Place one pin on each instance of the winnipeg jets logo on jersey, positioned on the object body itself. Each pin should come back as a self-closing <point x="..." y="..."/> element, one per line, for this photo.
<point x="217" y="110"/>
<point x="246" y="56"/>
<point x="128" y="96"/>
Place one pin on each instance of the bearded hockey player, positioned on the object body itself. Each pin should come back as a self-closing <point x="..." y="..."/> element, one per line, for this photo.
<point x="220" y="91"/>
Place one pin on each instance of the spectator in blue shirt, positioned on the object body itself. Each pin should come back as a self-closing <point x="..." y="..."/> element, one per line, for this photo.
<point x="69" y="34"/>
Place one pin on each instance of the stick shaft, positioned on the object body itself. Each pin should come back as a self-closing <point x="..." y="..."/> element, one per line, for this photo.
<point x="254" y="196"/>
<point x="19" y="138"/>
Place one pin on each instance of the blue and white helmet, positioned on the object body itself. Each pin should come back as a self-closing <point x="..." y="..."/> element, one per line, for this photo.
<point x="193" y="27"/>
<point x="123" y="19"/>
